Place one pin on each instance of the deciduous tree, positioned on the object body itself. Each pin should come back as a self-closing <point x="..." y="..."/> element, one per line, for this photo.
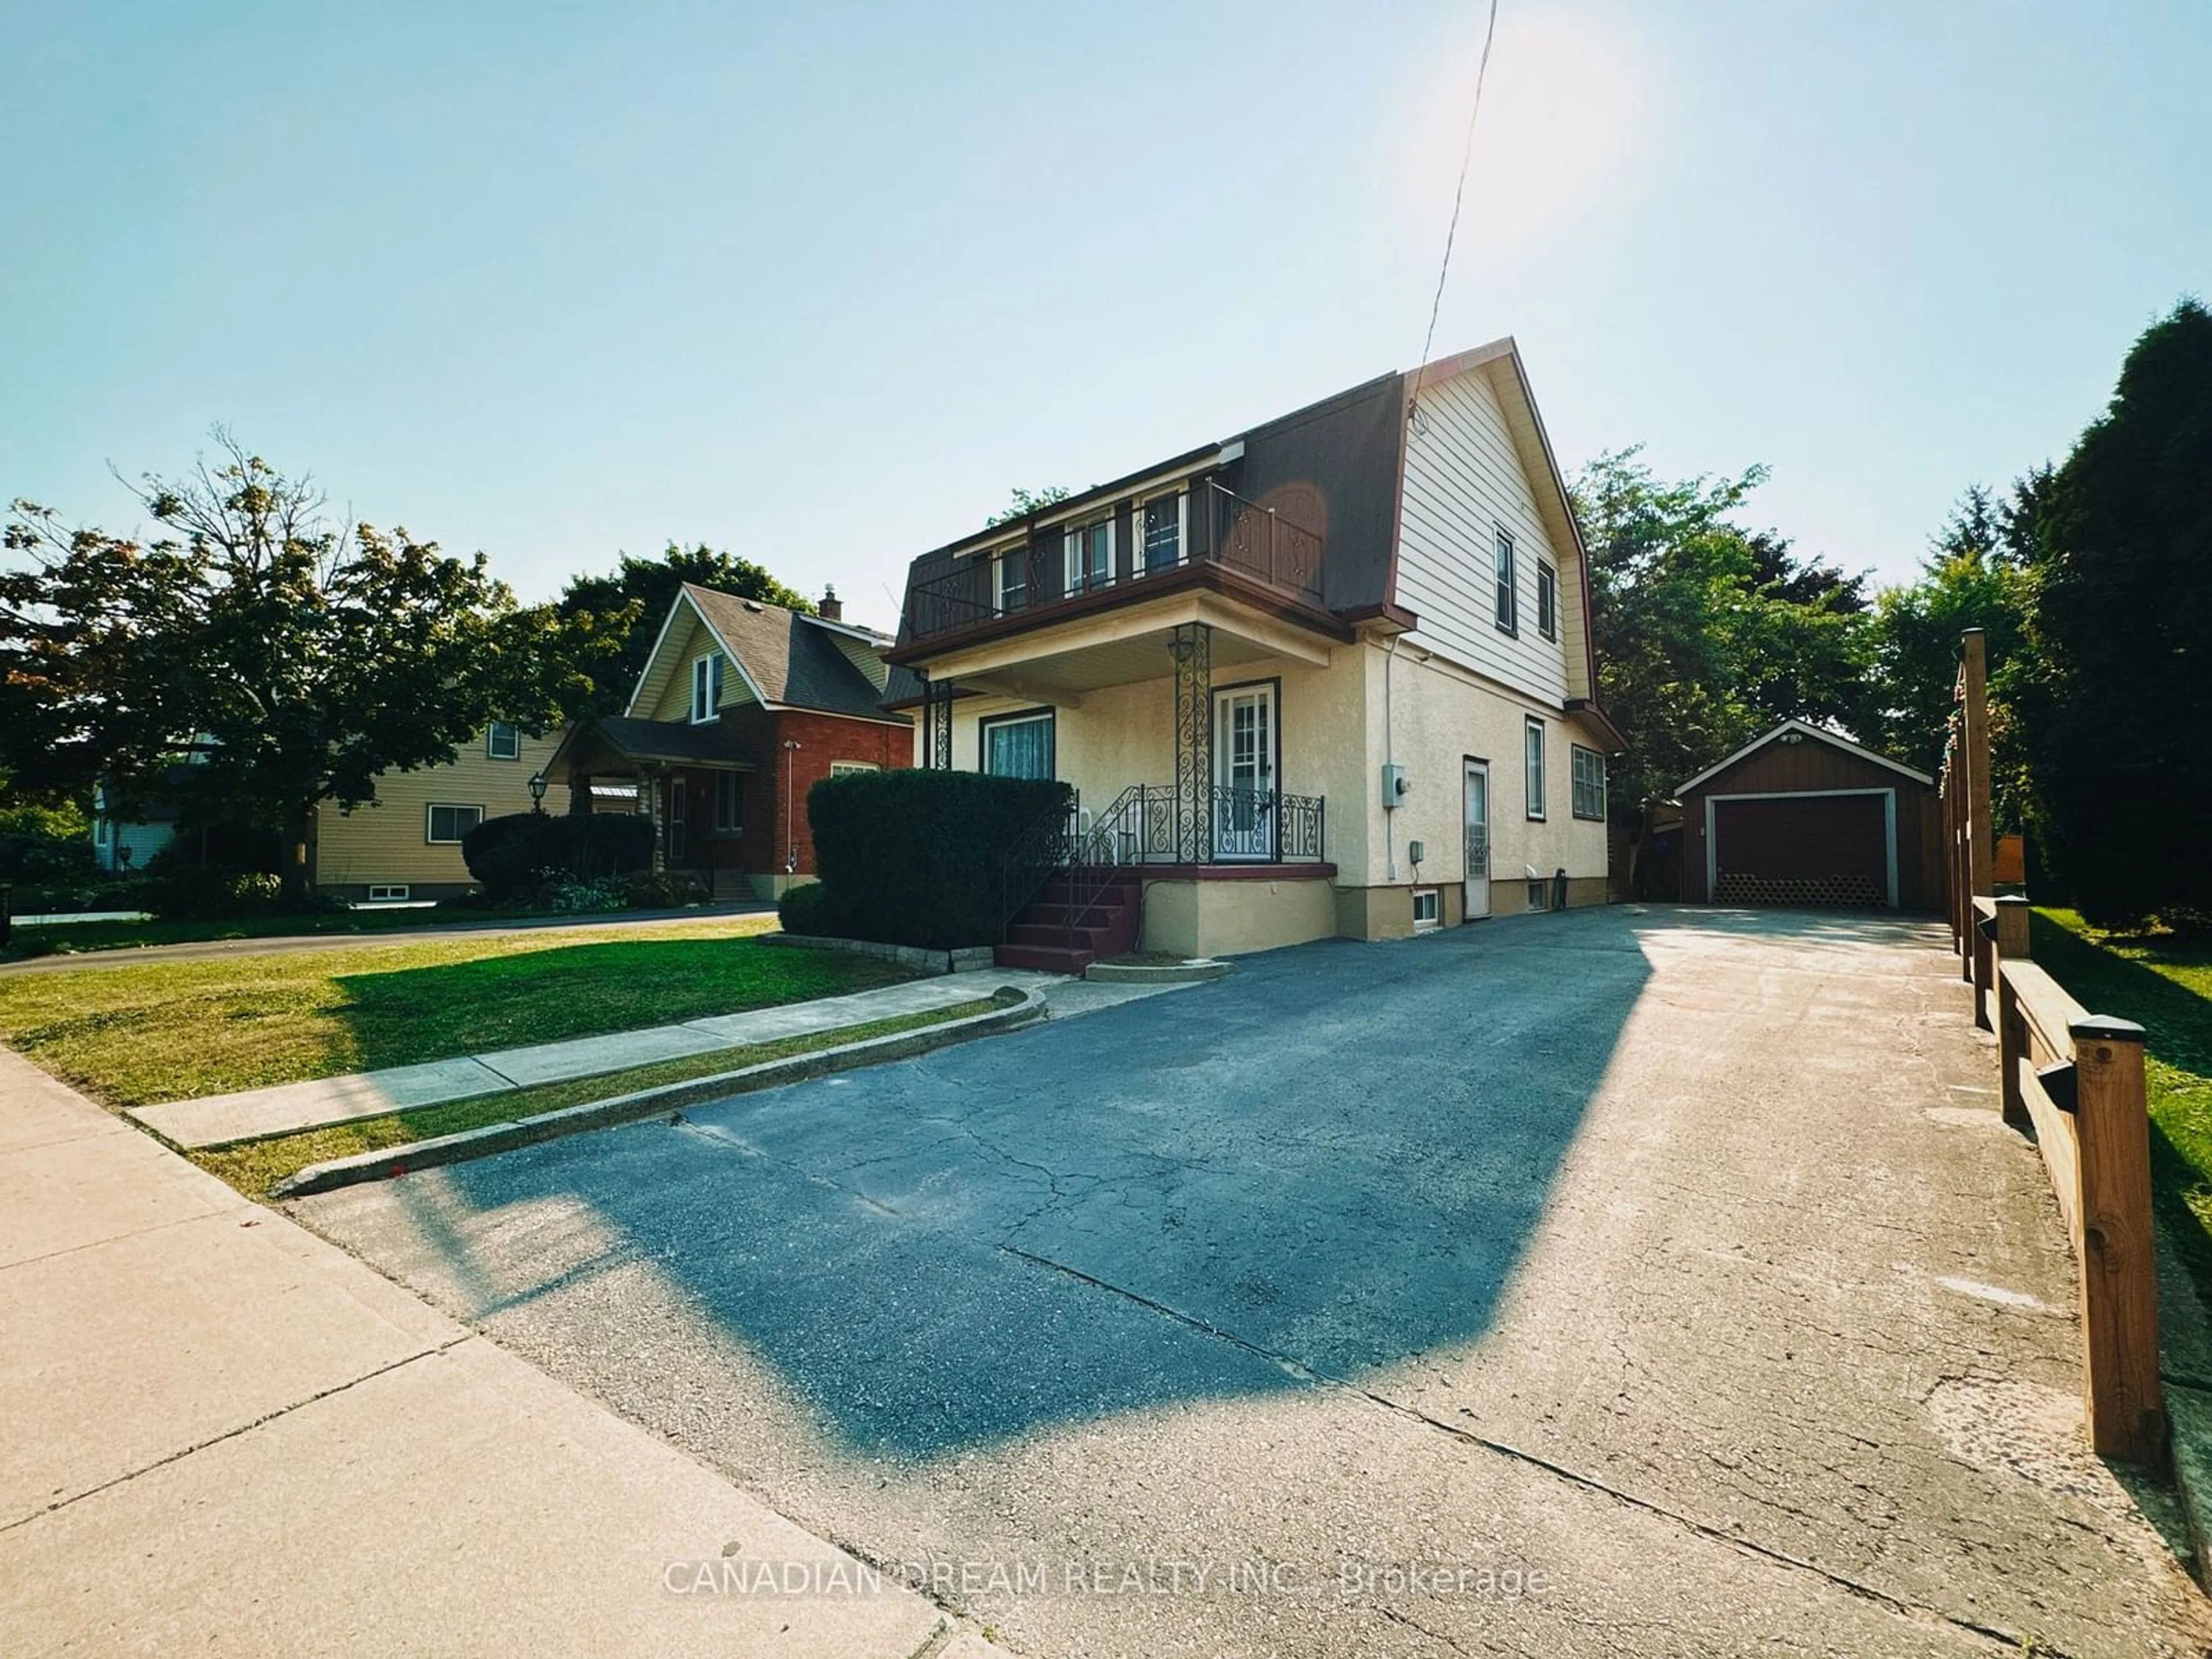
<point x="294" y="655"/>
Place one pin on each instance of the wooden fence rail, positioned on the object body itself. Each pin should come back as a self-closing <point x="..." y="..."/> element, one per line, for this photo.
<point x="2074" y="1080"/>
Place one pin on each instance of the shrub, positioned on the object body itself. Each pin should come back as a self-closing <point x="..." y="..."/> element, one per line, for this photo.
<point x="916" y="857"/>
<point x="664" y="890"/>
<point x="805" y="909"/>
<point x="606" y="893"/>
<point x="513" y="856"/>
<point x="196" y="892"/>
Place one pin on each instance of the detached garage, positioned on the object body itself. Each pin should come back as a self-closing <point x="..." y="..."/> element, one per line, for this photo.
<point x="1803" y="816"/>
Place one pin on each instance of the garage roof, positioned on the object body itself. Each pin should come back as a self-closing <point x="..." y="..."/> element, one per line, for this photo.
<point x="1803" y="728"/>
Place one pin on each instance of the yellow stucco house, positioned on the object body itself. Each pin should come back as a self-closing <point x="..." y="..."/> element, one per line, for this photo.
<point x="1332" y="676"/>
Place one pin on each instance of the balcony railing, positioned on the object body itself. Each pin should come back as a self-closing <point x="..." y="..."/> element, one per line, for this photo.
<point x="1219" y="528"/>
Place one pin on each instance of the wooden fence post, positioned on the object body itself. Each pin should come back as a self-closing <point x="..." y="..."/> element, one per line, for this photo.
<point x="1974" y="798"/>
<point x="2012" y="1031"/>
<point x="2119" y="1289"/>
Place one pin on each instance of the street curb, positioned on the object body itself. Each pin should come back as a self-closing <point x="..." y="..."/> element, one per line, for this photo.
<point x="1027" y="1007"/>
<point x="1150" y="973"/>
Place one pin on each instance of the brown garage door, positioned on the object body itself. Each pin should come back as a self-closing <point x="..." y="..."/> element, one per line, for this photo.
<point x="1802" y="850"/>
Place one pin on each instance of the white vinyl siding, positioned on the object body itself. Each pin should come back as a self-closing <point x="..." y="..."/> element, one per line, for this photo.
<point x="1464" y="485"/>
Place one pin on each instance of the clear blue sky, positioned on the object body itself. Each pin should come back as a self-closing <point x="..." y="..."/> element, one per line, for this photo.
<point x="821" y="283"/>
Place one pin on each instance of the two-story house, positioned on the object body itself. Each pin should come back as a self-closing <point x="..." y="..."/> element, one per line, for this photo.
<point x="1331" y="676"/>
<point x="740" y="710"/>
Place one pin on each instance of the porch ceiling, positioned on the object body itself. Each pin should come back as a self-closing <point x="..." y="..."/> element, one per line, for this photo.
<point x="1123" y="647"/>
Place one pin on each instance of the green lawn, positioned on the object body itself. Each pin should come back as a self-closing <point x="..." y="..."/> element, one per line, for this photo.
<point x="174" y="1030"/>
<point x="68" y="938"/>
<point x="257" y="1166"/>
<point x="2165" y="985"/>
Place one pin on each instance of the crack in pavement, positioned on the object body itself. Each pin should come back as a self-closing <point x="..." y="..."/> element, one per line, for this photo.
<point x="1559" y="1471"/>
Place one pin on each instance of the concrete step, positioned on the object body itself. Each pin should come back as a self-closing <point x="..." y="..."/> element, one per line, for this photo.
<point x="1044" y="958"/>
<point x="1098" y="941"/>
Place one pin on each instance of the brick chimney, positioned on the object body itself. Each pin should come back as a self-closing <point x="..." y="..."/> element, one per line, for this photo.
<point x="832" y="609"/>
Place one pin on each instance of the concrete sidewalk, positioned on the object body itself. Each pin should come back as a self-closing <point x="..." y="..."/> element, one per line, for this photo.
<point x="219" y="1433"/>
<point x="289" y="1108"/>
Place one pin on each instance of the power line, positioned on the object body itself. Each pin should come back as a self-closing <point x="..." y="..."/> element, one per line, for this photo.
<point x="1459" y="193"/>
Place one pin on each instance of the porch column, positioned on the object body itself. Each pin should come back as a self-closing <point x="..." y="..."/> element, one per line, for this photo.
<point x="937" y="724"/>
<point x="648" y="783"/>
<point x="579" y="794"/>
<point x="1193" y="650"/>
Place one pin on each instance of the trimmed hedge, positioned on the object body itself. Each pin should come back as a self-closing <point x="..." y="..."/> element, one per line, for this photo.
<point x="914" y="857"/>
<point x="513" y="856"/>
<point x="805" y="909"/>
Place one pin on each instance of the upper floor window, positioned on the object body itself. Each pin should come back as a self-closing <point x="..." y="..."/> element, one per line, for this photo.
<point x="1588" y="781"/>
<point x="706" y="687"/>
<point x="1161" y="530"/>
<point x="1010" y="579"/>
<point x="1547" y="601"/>
<point x="502" y="741"/>
<point x="1532" y="736"/>
<point x="1509" y="610"/>
<point x="1090" y="555"/>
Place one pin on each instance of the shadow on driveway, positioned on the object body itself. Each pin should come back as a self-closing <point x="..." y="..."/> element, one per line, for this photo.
<point x="1334" y="1157"/>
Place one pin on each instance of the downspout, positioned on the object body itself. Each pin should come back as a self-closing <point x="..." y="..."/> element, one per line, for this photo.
<point x="1390" y="758"/>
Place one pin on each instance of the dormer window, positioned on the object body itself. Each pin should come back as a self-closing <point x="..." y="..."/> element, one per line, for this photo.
<point x="706" y="688"/>
<point x="1090" y="555"/>
<point x="1163" y="531"/>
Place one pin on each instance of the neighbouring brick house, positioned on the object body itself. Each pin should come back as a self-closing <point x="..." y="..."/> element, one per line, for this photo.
<point x="742" y="708"/>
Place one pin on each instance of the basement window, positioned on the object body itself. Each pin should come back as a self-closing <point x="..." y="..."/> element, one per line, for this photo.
<point x="1540" y="895"/>
<point x="1428" y="913"/>
<point x="387" y="892"/>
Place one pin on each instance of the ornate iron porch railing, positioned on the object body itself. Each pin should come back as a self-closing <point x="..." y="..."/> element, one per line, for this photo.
<point x="1149" y="824"/>
<point x="1221" y="529"/>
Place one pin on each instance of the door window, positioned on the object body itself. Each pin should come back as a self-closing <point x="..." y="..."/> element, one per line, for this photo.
<point x="1244" y="738"/>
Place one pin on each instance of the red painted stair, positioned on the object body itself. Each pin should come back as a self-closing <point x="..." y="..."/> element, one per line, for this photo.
<point x="1041" y="937"/>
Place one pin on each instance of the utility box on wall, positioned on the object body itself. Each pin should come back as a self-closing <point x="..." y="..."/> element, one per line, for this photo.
<point x="1395" y="786"/>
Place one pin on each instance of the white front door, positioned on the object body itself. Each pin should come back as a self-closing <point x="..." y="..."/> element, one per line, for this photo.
<point x="1244" y="804"/>
<point x="1477" y="840"/>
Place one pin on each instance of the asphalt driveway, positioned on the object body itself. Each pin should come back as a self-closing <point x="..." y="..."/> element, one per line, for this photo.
<point x="1618" y="1282"/>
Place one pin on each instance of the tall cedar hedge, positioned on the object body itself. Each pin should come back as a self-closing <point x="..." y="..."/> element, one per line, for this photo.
<point x="914" y="857"/>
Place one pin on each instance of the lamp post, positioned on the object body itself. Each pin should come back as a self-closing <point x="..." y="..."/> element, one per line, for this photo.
<point x="537" y="792"/>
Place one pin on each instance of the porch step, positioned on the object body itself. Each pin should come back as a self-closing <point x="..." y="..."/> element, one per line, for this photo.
<point x="732" y="884"/>
<point x="1044" y="958"/>
<point x="1098" y="941"/>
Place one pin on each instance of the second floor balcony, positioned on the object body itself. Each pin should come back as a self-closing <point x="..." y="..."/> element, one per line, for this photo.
<point x="1132" y="548"/>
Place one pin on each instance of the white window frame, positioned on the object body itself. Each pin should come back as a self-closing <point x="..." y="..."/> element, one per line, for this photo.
<point x="513" y="738"/>
<point x="1547" y="599"/>
<point x="1577" y="754"/>
<point x="984" y="726"/>
<point x="707" y="681"/>
<point x="1427" y="898"/>
<point x="1140" y="555"/>
<point x="846" y="768"/>
<point x="1505" y="581"/>
<point x="1533" y="768"/>
<point x="1540" y="895"/>
<point x="430" y="811"/>
<point x="388" y="892"/>
<point x="1071" y="543"/>
<point x="998" y="557"/>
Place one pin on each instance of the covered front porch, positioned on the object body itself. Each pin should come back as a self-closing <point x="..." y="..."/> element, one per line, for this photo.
<point x="1194" y="727"/>
<point x="691" y="781"/>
